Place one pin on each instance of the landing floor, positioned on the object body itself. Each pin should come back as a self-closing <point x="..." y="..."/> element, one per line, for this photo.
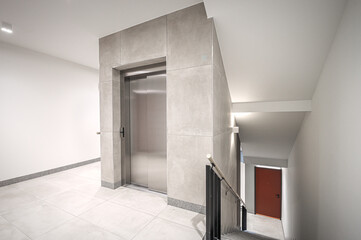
<point x="73" y="205"/>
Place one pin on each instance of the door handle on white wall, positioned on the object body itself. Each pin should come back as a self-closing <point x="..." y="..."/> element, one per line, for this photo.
<point x="98" y="133"/>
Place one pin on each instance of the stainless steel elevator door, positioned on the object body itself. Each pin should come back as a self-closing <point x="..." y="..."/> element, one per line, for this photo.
<point x="148" y="132"/>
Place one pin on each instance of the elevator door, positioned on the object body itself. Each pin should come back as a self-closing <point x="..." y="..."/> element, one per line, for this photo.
<point x="148" y="132"/>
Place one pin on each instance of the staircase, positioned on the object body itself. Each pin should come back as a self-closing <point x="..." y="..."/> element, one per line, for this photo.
<point x="244" y="235"/>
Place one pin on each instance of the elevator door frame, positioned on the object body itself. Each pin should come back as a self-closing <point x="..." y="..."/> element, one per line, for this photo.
<point x="128" y="145"/>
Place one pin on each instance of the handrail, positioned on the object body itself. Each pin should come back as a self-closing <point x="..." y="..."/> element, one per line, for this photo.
<point x="209" y="156"/>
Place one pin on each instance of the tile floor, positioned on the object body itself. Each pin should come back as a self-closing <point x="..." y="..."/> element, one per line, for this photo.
<point x="258" y="228"/>
<point x="265" y="226"/>
<point x="73" y="205"/>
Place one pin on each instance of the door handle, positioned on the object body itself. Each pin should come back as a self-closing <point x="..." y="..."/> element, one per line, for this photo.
<point x="122" y="132"/>
<point x="277" y="196"/>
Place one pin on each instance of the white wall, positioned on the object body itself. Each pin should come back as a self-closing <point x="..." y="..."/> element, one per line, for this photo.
<point x="49" y="112"/>
<point x="249" y="188"/>
<point x="243" y="181"/>
<point x="322" y="187"/>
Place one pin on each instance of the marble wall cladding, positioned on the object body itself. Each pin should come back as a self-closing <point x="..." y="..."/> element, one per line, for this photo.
<point x="222" y="104"/>
<point x="109" y="106"/>
<point x="117" y="150"/>
<point x="109" y="50"/>
<point x="189" y="38"/>
<point x="189" y="101"/>
<point x="186" y="160"/>
<point x="198" y="103"/>
<point x="228" y="213"/>
<point x="107" y="159"/>
<point x="110" y="143"/>
<point x="224" y="141"/>
<point x="217" y="60"/>
<point x="110" y="115"/>
<point x="224" y="150"/>
<point x="144" y="41"/>
<point x="225" y="155"/>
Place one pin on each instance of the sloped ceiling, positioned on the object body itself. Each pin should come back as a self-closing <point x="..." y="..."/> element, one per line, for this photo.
<point x="269" y="135"/>
<point x="70" y="29"/>
<point x="274" y="50"/>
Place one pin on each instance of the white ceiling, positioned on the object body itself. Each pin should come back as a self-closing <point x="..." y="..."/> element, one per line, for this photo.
<point x="274" y="50"/>
<point x="269" y="135"/>
<point x="70" y="29"/>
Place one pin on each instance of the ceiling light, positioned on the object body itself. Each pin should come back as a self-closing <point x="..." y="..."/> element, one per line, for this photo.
<point x="6" y="27"/>
<point x="269" y="167"/>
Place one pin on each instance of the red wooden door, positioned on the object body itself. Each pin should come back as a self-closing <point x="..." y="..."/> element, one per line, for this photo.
<point x="268" y="192"/>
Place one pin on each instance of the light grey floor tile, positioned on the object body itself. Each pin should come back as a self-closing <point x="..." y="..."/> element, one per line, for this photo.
<point x="78" y="230"/>
<point x="9" y="232"/>
<point x="68" y="180"/>
<point x="91" y="171"/>
<point x="184" y="217"/>
<point x="41" y="188"/>
<point x="96" y="190"/>
<point x="266" y="226"/>
<point x="160" y="229"/>
<point x="152" y="203"/>
<point x="74" y="202"/>
<point x="36" y="218"/>
<point x="122" y="221"/>
<point x="12" y="197"/>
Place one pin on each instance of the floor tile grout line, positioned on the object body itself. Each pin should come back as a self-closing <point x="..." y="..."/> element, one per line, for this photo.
<point x="143" y="228"/>
<point x="109" y="201"/>
<point x="17" y="228"/>
<point x="116" y="234"/>
<point x="167" y="220"/>
<point x="131" y="208"/>
<point x="52" y="205"/>
<point x="77" y="218"/>
<point x="103" y="201"/>
<point x="56" y="227"/>
<point x="73" y="216"/>
<point x="156" y="216"/>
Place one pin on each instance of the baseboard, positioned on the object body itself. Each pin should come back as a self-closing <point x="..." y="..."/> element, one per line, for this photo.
<point x="187" y="205"/>
<point x="46" y="172"/>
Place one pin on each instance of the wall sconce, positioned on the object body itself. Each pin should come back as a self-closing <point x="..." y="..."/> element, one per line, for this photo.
<point x="6" y="27"/>
<point x="235" y="130"/>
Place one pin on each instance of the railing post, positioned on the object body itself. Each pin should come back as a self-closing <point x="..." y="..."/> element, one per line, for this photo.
<point x="218" y="207"/>
<point x="209" y="201"/>
<point x="213" y="201"/>
<point x="213" y="205"/>
<point x="244" y="218"/>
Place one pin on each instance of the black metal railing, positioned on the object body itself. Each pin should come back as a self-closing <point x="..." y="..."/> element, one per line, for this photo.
<point x="213" y="205"/>
<point x="244" y="219"/>
<point x="214" y="177"/>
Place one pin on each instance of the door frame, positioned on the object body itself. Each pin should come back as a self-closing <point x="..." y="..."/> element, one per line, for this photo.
<point x="255" y="186"/>
<point x="128" y="76"/>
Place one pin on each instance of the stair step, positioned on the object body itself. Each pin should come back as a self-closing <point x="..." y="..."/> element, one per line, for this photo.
<point x="246" y="235"/>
